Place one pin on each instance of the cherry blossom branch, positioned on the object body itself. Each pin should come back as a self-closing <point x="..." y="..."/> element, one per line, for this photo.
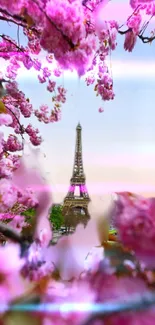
<point x="20" y="126"/>
<point x="130" y="16"/>
<point x="144" y="39"/>
<point x="137" y="303"/>
<point x="9" y="20"/>
<point x="10" y="233"/>
<point x="53" y="24"/>
<point x="84" y="3"/>
<point x="16" y="237"/>
<point x="15" y="19"/>
<point x="11" y="42"/>
<point x="145" y="26"/>
<point x="22" y="22"/>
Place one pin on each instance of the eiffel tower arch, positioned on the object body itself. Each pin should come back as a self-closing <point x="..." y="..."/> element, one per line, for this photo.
<point x="75" y="207"/>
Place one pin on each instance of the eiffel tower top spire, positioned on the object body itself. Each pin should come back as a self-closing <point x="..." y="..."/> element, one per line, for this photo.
<point x="79" y="127"/>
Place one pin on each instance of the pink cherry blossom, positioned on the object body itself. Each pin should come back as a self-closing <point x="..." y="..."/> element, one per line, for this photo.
<point x="8" y="195"/>
<point x="69" y="254"/>
<point x="15" y="7"/>
<point x="36" y="266"/>
<point x="18" y="223"/>
<point x="134" y="23"/>
<point x="75" y="293"/>
<point x="42" y="79"/>
<point x="71" y="35"/>
<point x="51" y="86"/>
<point x="11" y="264"/>
<point x="1" y="142"/>
<point x="101" y="110"/>
<point x="57" y="72"/>
<point x="5" y="119"/>
<point x="13" y="144"/>
<point x="94" y="257"/>
<point x="130" y="41"/>
<point x="135" y="219"/>
<point x="34" y="181"/>
<point x="112" y="289"/>
<point x="33" y="134"/>
<point x="135" y="3"/>
<point x="90" y="80"/>
<point x="6" y="167"/>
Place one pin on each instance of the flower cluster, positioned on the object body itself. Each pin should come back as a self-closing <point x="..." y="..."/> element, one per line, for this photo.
<point x="74" y="36"/>
<point x="71" y="279"/>
<point x="135" y="219"/>
<point x="78" y="271"/>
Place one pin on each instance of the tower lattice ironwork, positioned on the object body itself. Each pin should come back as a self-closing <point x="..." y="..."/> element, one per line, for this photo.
<point x="75" y="207"/>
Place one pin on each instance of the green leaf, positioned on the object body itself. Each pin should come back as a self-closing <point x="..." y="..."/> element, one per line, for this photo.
<point x="56" y="216"/>
<point x="117" y="255"/>
<point x="21" y="318"/>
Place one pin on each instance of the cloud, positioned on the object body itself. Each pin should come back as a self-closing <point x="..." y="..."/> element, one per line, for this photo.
<point x="121" y="70"/>
<point x="106" y="187"/>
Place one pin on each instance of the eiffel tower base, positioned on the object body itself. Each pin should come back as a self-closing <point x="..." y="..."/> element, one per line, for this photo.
<point x="75" y="212"/>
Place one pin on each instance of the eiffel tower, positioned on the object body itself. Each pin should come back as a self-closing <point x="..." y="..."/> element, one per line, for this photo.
<point x="75" y="207"/>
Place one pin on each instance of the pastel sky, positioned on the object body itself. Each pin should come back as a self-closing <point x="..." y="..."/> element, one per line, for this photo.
<point x="119" y="144"/>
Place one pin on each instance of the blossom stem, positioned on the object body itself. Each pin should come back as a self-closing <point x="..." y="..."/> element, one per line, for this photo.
<point x="10" y="233"/>
<point x="11" y="42"/>
<point x="14" y="236"/>
<point x="144" y="39"/>
<point x="15" y="19"/>
<point x="72" y="46"/>
<point x="20" y="126"/>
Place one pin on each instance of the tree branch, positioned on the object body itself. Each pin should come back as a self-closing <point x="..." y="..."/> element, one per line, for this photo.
<point x="133" y="13"/>
<point x="11" y="42"/>
<point x="144" y="39"/>
<point x="53" y="24"/>
<point x="14" y="17"/>
<point x="20" y="126"/>
<point x="22" y="22"/>
<point x="10" y="233"/>
<point x="13" y="21"/>
<point x="23" y="241"/>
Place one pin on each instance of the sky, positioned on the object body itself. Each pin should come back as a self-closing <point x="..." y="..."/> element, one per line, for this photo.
<point x="119" y="144"/>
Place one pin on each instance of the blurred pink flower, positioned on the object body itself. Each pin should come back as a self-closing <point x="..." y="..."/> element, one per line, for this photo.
<point x="5" y="119"/>
<point x="76" y="293"/>
<point x="36" y="265"/>
<point x="99" y="16"/>
<point x="32" y="179"/>
<point x="113" y="289"/>
<point x="17" y="222"/>
<point x="10" y="266"/>
<point x="95" y="256"/>
<point x="14" y="262"/>
<point x="101" y="110"/>
<point x="1" y="145"/>
<point x="71" y="251"/>
<point x="135" y="220"/>
<point x="8" y="195"/>
<point x="130" y="41"/>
